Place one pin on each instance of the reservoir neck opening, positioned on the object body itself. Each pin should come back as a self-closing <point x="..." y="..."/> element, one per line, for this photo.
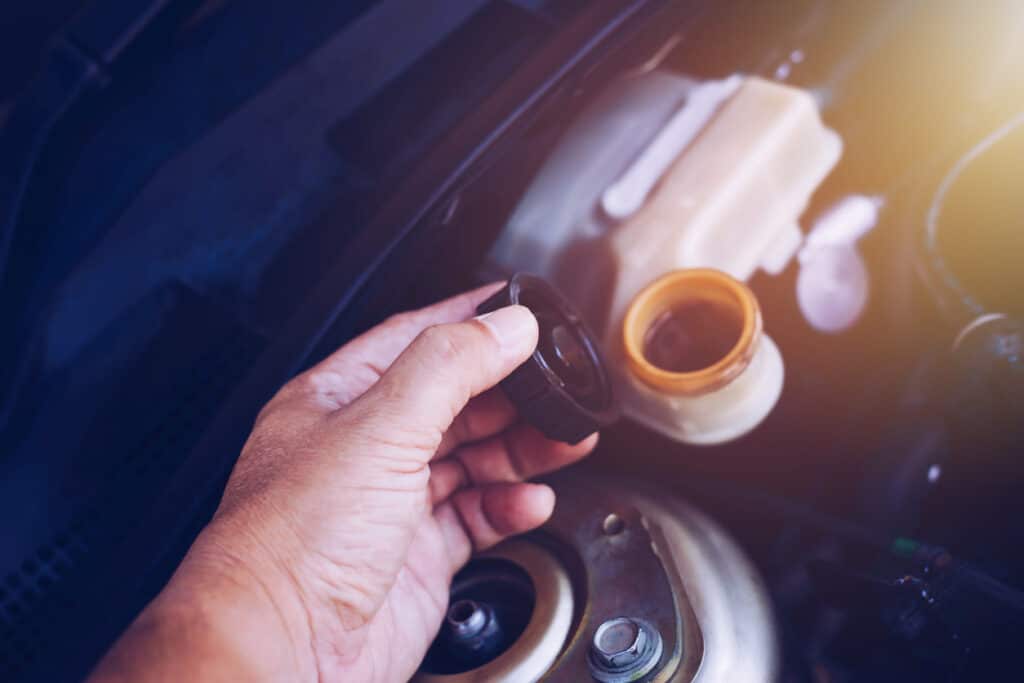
<point x="691" y="331"/>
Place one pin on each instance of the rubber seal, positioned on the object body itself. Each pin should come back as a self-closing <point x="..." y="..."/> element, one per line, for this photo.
<point x="563" y="389"/>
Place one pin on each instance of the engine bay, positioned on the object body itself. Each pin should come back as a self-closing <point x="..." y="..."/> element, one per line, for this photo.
<point x="837" y="502"/>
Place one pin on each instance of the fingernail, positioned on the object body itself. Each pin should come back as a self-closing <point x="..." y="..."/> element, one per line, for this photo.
<point x="513" y="326"/>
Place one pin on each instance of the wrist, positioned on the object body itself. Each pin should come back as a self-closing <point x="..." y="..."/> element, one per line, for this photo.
<point x="246" y="599"/>
<point x="219" y="618"/>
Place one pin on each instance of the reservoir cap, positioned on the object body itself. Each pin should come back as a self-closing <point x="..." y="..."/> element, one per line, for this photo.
<point x="563" y="389"/>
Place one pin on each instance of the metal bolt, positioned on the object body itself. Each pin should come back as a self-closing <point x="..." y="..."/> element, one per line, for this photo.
<point x="619" y="642"/>
<point x="466" y="619"/>
<point x="624" y="649"/>
<point x="472" y="633"/>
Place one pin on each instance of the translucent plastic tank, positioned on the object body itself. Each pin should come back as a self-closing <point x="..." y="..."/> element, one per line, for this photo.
<point x="664" y="173"/>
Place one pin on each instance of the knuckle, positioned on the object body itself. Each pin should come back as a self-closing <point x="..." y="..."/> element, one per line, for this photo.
<point x="317" y="386"/>
<point x="304" y="384"/>
<point x="316" y="383"/>
<point x="399" y="321"/>
<point x="298" y="385"/>
<point x="482" y="331"/>
<point x="299" y="388"/>
<point x="443" y="343"/>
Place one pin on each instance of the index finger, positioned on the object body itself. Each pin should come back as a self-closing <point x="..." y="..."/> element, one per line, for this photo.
<point x="357" y="365"/>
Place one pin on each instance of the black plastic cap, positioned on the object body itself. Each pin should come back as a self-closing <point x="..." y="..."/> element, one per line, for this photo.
<point x="563" y="389"/>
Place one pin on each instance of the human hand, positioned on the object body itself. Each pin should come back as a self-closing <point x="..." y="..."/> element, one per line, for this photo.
<point x="366" y="483"/>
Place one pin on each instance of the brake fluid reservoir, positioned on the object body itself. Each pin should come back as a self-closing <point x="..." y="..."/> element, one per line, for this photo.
<point x="697" y="364"/>
<point x="666" y="173"/>
<point x="731" y="200"/>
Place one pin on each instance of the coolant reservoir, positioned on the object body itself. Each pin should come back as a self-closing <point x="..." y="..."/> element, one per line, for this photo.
<point x="665" y="173"/>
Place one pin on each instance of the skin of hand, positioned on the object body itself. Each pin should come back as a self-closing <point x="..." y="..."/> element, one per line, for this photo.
<point x="366" y="483"/>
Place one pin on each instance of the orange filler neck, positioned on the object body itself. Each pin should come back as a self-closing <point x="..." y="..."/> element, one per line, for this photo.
<point x="691" y="331"/>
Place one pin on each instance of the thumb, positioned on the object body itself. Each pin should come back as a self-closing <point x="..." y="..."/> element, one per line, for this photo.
<point x="429" y="384"/>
